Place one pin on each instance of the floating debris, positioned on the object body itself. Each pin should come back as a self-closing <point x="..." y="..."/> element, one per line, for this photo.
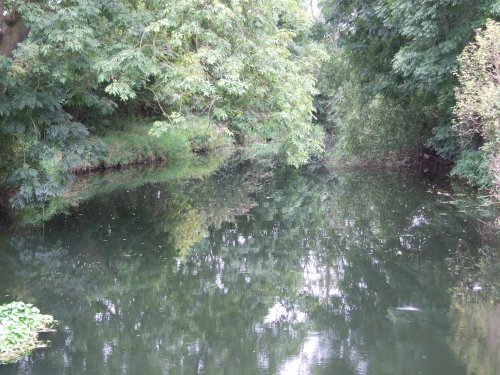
<point x="477" y="288"/>
<point x="408" y="308"/>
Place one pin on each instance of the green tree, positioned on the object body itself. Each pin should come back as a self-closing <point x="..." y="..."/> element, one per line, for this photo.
<point x="406" y="51"/>
<point x="243" y="66"/>
<point x="477" y="111"/>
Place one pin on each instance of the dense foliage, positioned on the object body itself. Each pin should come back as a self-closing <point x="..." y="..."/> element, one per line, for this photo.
<point x="209" y="73"/>
<point x="243" y="66"/>
<point x="477" y="112"/>
<point x="397" y="70"/>
<point x="20" y="324"/>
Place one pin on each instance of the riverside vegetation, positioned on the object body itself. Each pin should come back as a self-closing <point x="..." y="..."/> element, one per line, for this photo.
<point x="92" y="84"/>
<point x="238" y="68"/>
<point x="404" y="76"/>
<point x="87" y="85"/>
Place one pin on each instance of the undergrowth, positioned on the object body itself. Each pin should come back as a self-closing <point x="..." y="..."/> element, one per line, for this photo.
<point x="135" y="143"/>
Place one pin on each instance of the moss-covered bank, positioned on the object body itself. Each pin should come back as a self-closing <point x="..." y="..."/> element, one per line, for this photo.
<point x="134" y="142"/>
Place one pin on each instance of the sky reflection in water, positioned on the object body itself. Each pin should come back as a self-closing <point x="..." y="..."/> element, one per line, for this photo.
<point x="252" y="271"/>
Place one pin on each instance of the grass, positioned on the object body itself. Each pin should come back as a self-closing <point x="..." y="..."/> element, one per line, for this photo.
<point x="133" y="144"/>
<point x="20" y="324"/>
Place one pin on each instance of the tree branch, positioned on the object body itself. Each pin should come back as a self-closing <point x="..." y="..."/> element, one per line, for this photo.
<point x="13" y="30"/>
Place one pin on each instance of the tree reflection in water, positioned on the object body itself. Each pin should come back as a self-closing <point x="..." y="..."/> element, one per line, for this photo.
<point x="255" y="270"/>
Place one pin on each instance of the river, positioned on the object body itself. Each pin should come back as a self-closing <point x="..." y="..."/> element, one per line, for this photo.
<point x="261" y="269"/>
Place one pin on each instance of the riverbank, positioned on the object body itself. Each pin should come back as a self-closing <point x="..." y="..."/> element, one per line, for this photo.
<point x="133" y="144"/>
<point x="96" y="182"/>
<point x="425" y="161"/>
<point x="131" y="156"/>
<point x="126" y="144"/>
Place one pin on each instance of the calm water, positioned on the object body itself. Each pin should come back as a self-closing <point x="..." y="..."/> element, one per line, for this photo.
<point x="257" y="270"/>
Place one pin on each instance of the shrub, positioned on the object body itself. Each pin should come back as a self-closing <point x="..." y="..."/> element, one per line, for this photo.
<point x="477" y="111"/>
<point x="366" y="125"/>
<point x="472" y="165"/>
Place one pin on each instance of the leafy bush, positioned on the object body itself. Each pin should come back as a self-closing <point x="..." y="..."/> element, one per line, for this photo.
<point x="473" y="166"/>
<point x="406" y="51"/>
<point x="366" y="126"/>
<point x="477" y="112"/>
<point x="20" y="324"/>
<point x="376" y="129"/>
<point x="198" y="134"/>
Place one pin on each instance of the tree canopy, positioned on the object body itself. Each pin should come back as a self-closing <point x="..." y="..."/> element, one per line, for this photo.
<point x="242" y="65"/>
<point x="405" y="54"/>
<point x="75" y="74"/>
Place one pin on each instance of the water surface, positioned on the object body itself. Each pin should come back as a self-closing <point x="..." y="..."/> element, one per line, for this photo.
<point x="256" y="270"/>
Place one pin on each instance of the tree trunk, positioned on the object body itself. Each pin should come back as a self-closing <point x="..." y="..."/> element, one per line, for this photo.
<point x="12" y="30"/>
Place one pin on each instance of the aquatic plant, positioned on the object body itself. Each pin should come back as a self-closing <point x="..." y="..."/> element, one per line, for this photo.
<point x="20" y="324"/>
